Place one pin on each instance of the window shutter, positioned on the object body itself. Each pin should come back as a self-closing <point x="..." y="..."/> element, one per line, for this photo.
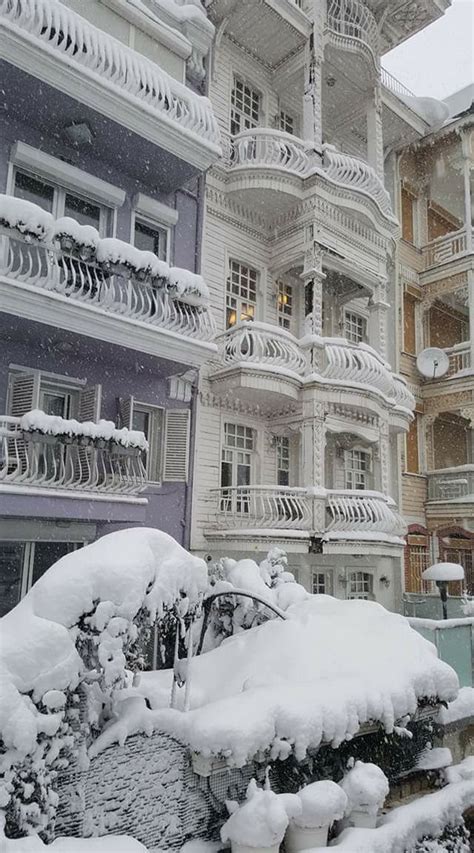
<point x="89" y="403"/>
<point x="176" y="445"/>
<point x="23" y="393"/>
<point x="125" y="412"/>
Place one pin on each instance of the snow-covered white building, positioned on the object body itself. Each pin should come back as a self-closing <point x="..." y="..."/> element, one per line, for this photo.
<point x="301" y="412"/>
<point x="105" y="135"/>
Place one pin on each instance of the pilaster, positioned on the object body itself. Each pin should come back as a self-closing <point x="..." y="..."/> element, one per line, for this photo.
<point x="375" y="132"/>
<point x="312" y="98"/>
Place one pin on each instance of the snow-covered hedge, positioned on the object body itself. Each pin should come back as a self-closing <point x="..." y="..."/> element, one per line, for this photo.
<point x="38" y="421"/>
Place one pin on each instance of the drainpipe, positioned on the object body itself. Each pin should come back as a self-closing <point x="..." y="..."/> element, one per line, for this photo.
<point x="188" y="494"/>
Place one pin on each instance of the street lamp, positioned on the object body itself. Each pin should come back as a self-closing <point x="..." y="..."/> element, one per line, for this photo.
<point x="442" y="574"/>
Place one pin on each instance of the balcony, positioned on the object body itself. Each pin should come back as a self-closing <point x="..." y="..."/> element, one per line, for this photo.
<point x="88" y="458"/>
<point x="294" y="512"/>
<point x="451" y="491"/>
<point x="265" y="362"/>
<point x="357" y="177"/>
<point x="352" y="27"/>
<point x="56" y="45"/>
<point x="459" y="358"/>
<point x="105" y="289"/>
<point x="450" y="247"/>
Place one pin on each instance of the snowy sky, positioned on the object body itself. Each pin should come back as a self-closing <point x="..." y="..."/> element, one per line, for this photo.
<point x="440" y="59"/>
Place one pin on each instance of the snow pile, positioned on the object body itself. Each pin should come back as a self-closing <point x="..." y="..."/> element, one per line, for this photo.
<point x="434" y="759"/>
<point x="434" y="112"/>
<point x="68" y="229"/>
<point x="104" y="844"/>
<point x="188" y="284"/>
<point x="25" y="217"/>
<point x="444" y="572"/>
<point x="290" y="685"/>
<point x="462" y="707"/>
<point x="366" y="787"/>
<point x="113" y="251"/>
<point x="262" y="820"/>
<point x="463" y="772"/>
<point x="37" y="420"/>
<point x="321" y="804"/>
<point x="78" y="626"/>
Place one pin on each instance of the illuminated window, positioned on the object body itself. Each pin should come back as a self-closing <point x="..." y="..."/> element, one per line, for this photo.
<point x="245" y="107"/>
<point x="241" y="296"/>
<point x="285" y="304"/>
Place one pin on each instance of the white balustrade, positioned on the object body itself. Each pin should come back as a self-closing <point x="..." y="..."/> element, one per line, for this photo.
<point x="390" y="82"/>
<point x="445" y="248"/>
<point x="352" y="26"/>
<point x="363" y="512"/>
<point x="459" y="357"/>
<point x="263" y="507"/>
<point x="264" y="148"/>
<point x="260" y="344"/>
<point x="354" y="363"/>
<point x="63" y="31"/>
<point x="49" y="268"/>
<point x="403" y="396"/>
<point x="356" y="175"/>
<point x="449" y="484"/>
<point x="78" y="463"/>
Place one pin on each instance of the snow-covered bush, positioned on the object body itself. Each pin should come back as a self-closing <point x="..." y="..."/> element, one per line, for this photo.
<point x="262" y="820"/>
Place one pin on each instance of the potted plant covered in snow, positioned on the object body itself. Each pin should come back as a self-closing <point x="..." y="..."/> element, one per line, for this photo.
<point x="25" y="217"/>
<point x="124" y="259"/>
<point x="366" y="787"/>
<point x="260" y="823"/>
<point x="81" y="240"/>
<point x="321" y="804"/>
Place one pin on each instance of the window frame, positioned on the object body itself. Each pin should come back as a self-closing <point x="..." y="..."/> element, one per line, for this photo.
<point x="354" y="319"/>
<point x="352" y="470"/>
<point x="359" y="577"/>
<point x="282" y="457"/>
<point x="316" y="584"/>
<point x="156" y="451"/>
<point x="244" y="118"/>
<point x="285" y="308"/>
<point x="28" y="560"/>
<point x="156" y="224"/>
<point x="239" y="299"/>
<point x="285" y="119"/>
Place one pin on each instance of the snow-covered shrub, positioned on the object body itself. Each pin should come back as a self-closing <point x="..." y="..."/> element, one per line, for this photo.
<point x="262" y="820"/>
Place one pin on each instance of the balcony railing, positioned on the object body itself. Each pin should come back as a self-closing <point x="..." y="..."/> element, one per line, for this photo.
<point x="65" y="33"/>
<point x="357" y="363"/>
<point x="352" y="26"/>
<point x="115" y="289"/>
<point x="459" y="358"/>
<point x="403" y="396"/>
<point x="72" y="462"/>
<point x="263" y="507"/>
<point x="355" y="174"/>
<point x="448" y="484"/>
<point x="266" y="148"/>
<point x="352" y="512"/>
<point x="446" y="248"/>
<point x="258" y="344"/>
<point x="393" y="85"/>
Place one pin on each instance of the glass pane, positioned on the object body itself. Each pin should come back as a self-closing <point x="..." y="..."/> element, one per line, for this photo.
<point x="33" y="190"/>
<point x="83" y="211"/>
<point x="243" y="475"/>
<point x="226" y="474"/>
<point x="47" y="553"/>
<point x="141" y="421"/>
<point x="11" y="566"/>
<point x="55" y="404"/>
<point x="150" y="239"/>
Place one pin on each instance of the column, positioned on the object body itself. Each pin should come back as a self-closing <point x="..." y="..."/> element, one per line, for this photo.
<point x="313" y="278"/>
<point x="377" y="328"/>
<point x="384" y="454"/>
<point x="470" y="298"/>
<point x="313" y="61"/>
<point x="428" y="456"/>
<point x="375" y="132"/>
<point x="467" y="166"/>
<point x="313" y="452"/>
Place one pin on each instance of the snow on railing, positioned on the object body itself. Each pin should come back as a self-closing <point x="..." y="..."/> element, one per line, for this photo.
<point x="352" y="26"/>
<point x="390" y="82"/>
<point x="459" y="357"/>
<point x="357" y="363"/>
<point x="264" y="147"/>
<point x="363" y="512"/>
<point x="449" y="484"/>
<point x="63" y="31"/>
<point x="356" y="175"/>
<point x="445" y="248"/>
<point x="260" y="344"/>
<point x="403" y="396"/>
<point x="256" y="507"/>
<point x="115" y="287"/>
<point x="36" y="453"/>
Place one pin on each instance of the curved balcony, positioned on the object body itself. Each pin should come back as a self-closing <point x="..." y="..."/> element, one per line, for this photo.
<point x="351" y="26"/>
<point x="358" y="177"/>
<point x="72" y="54"/>
<point x="263" y="507"/>
<point x="264" y="361"/>
<point x="363" y="515"/>
<point x="357" y="363"/>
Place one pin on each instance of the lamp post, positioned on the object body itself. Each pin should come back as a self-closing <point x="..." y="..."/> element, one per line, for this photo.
<point x="442" y="574"/>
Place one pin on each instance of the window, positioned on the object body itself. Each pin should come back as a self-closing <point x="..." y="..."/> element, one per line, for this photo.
<point x="412" y="464"/>
<point x="151" y="238"/>
<point x="356" y="469"/>
<point x="22" y="563"/>
<point x="236" y="467"/>
<point x="283" y="460"/>
<point x="287" y="122"/>
<point x="241" y="297"/>
<point x="245" y="107"/>
<point x="318" y="583"/>
<point x="54" y="400"/>
<point x="409" y="323"/>
<point x="360" y="585"/>
<point x="149" y="420"/>
<point x="417" y="559"/>
<point x="355" y="327"/>
<point x="285" y="304"/>
<point x="408" y="215"/>
<point x="60" y="202"/>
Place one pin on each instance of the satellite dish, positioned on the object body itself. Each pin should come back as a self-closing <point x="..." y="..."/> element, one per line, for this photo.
<point x="432" y="362"/>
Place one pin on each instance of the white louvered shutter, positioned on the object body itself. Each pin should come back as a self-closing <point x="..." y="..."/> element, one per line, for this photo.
<point x="125" y="412"/>
<point x="176" y="445"/>
<point x="23" y="395"/>
<point x="89" y="403"/>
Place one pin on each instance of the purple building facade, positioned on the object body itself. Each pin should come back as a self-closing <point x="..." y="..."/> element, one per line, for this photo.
<point x="105" y="151"/>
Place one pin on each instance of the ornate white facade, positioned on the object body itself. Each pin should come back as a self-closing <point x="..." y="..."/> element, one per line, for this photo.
<point x="300" y="412"/>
